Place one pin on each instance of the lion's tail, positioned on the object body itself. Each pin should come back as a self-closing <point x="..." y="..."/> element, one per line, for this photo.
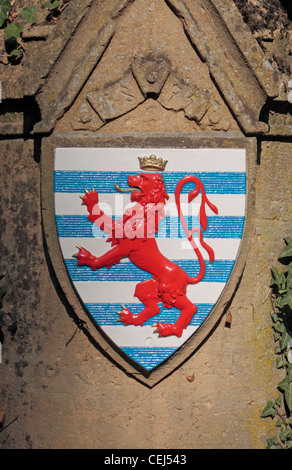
<point x="203" y="221"/>
<point x="199" y="277"/>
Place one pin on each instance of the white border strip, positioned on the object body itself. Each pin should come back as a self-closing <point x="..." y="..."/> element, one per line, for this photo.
<point x="116" y="159"/>
<point x="174" y="248"/>
<point x="227" y="204"/>
<point x="103" y="292"/>
<point x="136" y="336"/>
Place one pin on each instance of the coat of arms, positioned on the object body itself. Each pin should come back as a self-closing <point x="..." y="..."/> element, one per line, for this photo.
<point x="157" y="233"/>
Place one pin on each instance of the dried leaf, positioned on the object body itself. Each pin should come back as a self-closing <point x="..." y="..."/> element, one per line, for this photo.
<point x="191" y="378"/>
<point x="228" y="320"/>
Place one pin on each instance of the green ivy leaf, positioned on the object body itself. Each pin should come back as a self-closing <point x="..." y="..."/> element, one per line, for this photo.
<point x="17" y="52"/>
<point x="288" y="421"/>
<point x="274" y="317"/>
<point x="278" y="401"/>
<point x="283" y="384"/>
<point x="278" y="279"/>
<point x="285" y="434"/>
<point x="280" y="328"/>
<point x="29" y="13"/>
<point x="282" y="320"/>
<point x="285" y="299"/>
<point x="282" y="291"/>
<point x="289" y="276"/>
<point x="5" y="7"/>
<point x="52" y="5"/>
<point x="279" y="363"/>
<point x="289" y="372"/>
<point x="276" y="337"/>
<point x="269" y="410"/>
<point x="13" y="31"/>
<point x="288" y="396"/>
<point x="285" y="340"/>
<point x="273" y="443"/>
<point x="287" y="250"/>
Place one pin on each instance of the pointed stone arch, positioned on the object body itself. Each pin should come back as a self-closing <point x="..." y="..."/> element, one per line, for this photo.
<point x="235" y="67"/>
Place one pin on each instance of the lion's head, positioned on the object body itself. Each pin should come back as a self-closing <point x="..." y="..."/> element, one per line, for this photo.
<point x="142" y="220"/>
<point x="149" y="188"/>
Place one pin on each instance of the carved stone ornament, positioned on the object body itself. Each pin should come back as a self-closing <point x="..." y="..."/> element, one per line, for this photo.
<point x="230" y="80"/>
<point x="150" y="73"/>
<point x="150" y="76"/>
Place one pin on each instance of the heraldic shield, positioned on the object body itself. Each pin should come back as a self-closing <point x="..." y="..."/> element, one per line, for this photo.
<point x="149" y="238"/>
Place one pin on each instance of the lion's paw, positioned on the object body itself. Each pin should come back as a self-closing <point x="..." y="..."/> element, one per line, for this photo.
<point x="85" y="258"/>
<point x="90" y="199"/>
<point x="128" y="318"/>
<point x="168" y="329"/>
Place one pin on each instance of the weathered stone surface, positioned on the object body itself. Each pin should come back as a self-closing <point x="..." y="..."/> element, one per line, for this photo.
<point x="206" y="28"/>
<point x="253" y="53"/>
<point x="177" y="95"/>
<point x="128" y="50"/>
<point x="148" y="117"/>
<point x="70" y="73"/>
<point x="40" y="63"/>
<point x="86" y="119"/>
<point x="117" y="99"/>
<point x="150" y="73"/>
<point x="270" y="24"/>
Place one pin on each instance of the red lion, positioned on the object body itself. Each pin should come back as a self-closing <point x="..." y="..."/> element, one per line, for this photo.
<point x="133" y="236"/>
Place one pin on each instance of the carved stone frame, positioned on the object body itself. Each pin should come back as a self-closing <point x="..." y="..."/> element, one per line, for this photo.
<point x="74" y="303"/>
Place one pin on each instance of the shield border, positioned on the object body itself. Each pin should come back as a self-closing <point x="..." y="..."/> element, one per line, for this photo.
<point x="73" y="302"/>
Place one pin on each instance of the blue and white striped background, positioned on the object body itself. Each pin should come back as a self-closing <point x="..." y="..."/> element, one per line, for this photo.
<point x="223" y="172"/>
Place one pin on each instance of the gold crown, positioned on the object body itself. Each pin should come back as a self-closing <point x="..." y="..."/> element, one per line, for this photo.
<point x="152" y="163"/>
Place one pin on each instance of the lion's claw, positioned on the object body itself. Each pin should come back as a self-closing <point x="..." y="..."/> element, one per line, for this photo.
<point x="85" y="258"/>
<point x="127" y="317"/>
<point x="90" y="199"/>
<point x="167" y="329"/>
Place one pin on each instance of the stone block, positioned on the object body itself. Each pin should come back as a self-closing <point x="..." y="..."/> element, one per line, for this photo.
<point x="117" y="99"/>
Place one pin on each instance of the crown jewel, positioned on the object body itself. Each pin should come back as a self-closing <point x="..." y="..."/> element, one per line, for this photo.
<point x="152" y="163"/>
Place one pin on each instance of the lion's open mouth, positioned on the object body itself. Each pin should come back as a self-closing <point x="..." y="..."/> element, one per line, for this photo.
<point x="128" y="190"/>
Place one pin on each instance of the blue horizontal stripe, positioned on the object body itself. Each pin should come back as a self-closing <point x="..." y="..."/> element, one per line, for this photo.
<point x="148" y="358"/>
<point x="106" y="314"/>
<point x="104" y="182"/>
<point x="170" y="227"/>
<point x="218" y="271"/>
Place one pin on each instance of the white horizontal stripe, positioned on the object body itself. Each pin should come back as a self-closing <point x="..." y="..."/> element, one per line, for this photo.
<point x="122" y="292"/>
<point x="227" y="204"/>
<point x="117" y="159"/>
<point x="137" y="336"/>
<point x="174" y="248"/>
